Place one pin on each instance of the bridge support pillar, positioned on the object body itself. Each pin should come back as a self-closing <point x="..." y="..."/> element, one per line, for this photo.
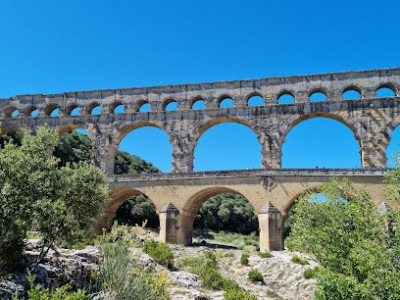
<point x="271" y="228"/>
<point x="176" y="227"/>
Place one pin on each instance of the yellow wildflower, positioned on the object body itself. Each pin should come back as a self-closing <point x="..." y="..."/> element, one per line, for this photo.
<point x="91" y="275"/>
<point x="98" y="272"/>
<point x="131" y="242"/>
<point x="105" y="283"/>
<point x="100" y="259"/>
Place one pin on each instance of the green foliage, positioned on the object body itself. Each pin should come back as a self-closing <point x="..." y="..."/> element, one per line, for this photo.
<point x="11" y="250"/>
<point x="310" y="273"/>
<point x="122" y="276"/>
<point x="73" y="147"/>
<point x="58" y="201"/>
<point x="137" y="209"/>
<point x="297" y="260"/>
<point x="132" y="164"/>
<point x="357" y="252"/>
<point x="244" y="259"/>
<point x="227" y="211"/>
<point x="265" y="255"/>
<point x="39" y="293"/>
<point x="255" y="276"/>
<point x="160" y="252"/>
<point x="237" y="294"/>
<point x="14" y="137"/>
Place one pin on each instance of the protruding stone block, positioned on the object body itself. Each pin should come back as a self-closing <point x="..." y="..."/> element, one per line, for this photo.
<point x="271" y="228"/>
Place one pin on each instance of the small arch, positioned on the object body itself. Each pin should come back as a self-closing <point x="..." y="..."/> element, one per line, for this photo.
<point x="72" y="108"/>
<point x="93" y="109"/>
<point x="198" y="103"/>
<point x="51" y="110"/>
<point x="226" y="102"/>
<point x="143" y="106"/>
<point x="318" y="95"/>
<point x="386" y="90"/>
<point x="255" y="99"/>
<point x="170" y="105"/>
<point x="70" y="127"/>
<point x="31" y="111"/>
<point x="11" y="112"/>
<point x="350" y="94"/>
<point x="286" y="97"/>
<point x="117" y="108"/>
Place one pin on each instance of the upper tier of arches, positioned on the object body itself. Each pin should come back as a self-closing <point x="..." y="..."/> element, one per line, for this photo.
<point x="218" y="95"/>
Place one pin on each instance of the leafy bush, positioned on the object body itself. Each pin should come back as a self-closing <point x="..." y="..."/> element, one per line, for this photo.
<point x="120" y="275"/>
<point x="62" y="293"/>
<point x="160" y="252"/>
<point x="297" y="260"/>
<point x="237" y="294"/>
<point x="255" y="276"/>
<point x="310" y="273"/>
<point x="11" y="251"/>
<point x="244" y="259"/>
<point x="265" y="255"/>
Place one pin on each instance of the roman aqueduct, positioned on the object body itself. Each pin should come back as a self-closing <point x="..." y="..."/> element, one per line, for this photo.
<point x="271" y="190"/>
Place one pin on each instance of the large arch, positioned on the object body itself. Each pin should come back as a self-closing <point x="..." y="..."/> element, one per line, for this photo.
<point x="123" y="132"/>
<point x="118" y="197"/>
<point x="206" y="137"/>
<point x="357" y="159"/>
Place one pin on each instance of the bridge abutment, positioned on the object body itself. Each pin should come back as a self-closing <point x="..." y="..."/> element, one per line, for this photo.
<point x="270" y="220"/>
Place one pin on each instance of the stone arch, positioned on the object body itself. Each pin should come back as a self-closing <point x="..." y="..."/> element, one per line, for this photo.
<point x="50" y="108"/>
<point x="9" y="111"/>
<point x="29" y="110"/>
<point x="223" y="97"/>
<point x="352" y="87"/>
<point x="91" y="106"/>
<point x="253" y="94"/>
<point x="5" y="130"/>
<point x="297" y="120"/>
<point x="389" y="85"/>
<point x="118" y="196"/>
<point x="168" y="101"/>
<point x="317" y="90"/>
<point x="69" y="127"/>
<point x="285" y="92"/>
<point x="194" y="202"/>
<point x="140" y="103"/>
<point x="70" y="108"/>
<point x="114" y="105"/>
<point x="196" y="99"/>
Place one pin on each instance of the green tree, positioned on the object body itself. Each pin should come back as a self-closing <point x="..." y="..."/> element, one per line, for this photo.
<point x="59" y="201"/>
<point x="351" y="241"/>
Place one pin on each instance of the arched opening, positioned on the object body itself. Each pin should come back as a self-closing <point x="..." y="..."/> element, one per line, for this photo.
<point x="321" y="142"/>
<point x="72" y="110"/>
<point x="225" y="217"/>
<point x="286" y="98"/>
<point x="385" y="92"/>
<point x="255" y="101"/>
<point x="226" y="102"/>
<point x="227" y="146"/>
<point x="351" y="94"/>
<point x="143" y="149"/>
<point x="171" y="106"/>
<point x="134" y="209"/>
<point x="120" y="109"/>
<point x="74" y="145"/>
<point x="11" y="112"/>
<point x="145" y="107"/>
<point x="96" y="110"/>
<point x="393" y="149"/>
<point x="317" y="96"/>
<point x="55" y="113"/>
<point x="199" y="104"/>
<point x="31" y="111"/>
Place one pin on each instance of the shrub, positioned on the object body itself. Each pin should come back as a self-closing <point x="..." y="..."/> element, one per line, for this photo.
<point x="11" y="251"/>
<point x="255" y="276"/>
<point x="265" y="255"/>
<point x="297" y="260"/>
<point x="236" y="294"/>
<point x="310" y="273"/>
<point x="244" y="260"/>
<point x="160" y="252"/>
<point x="121" y="276"/>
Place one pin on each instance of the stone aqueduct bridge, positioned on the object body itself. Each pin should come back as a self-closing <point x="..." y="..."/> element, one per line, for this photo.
<point x="271" y="190"/>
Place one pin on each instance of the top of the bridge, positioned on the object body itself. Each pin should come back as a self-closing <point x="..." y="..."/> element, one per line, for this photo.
<point x="300" y="87"/>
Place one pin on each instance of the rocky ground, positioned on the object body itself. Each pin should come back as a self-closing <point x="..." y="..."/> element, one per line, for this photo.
<point x="283" y="279"/>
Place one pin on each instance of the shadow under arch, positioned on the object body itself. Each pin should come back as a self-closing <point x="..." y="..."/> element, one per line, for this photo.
<point x="193" y="204"/>
<point x="69" y="127"/>
<point x="323" y="115"/>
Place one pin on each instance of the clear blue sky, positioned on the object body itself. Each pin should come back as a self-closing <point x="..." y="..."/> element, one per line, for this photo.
<point x="56" y="46"/>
